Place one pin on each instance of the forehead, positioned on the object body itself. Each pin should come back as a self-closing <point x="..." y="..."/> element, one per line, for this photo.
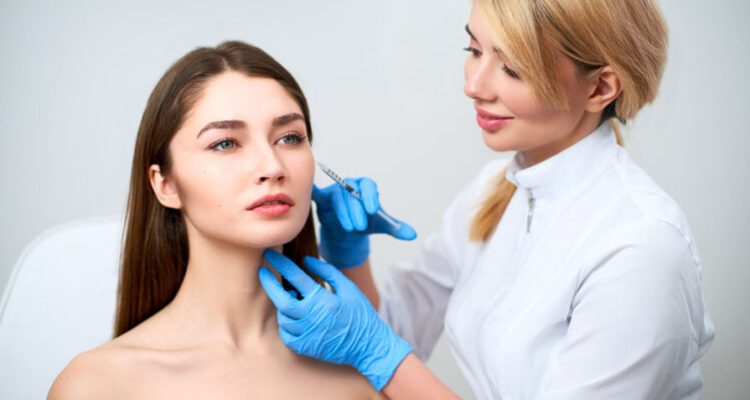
<point x="478" y="24"/>
<point x="233" y="95"/>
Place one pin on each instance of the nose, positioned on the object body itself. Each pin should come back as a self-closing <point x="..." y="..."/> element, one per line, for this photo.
<point x="478" y="80"/>
<point x="269" y="167"/>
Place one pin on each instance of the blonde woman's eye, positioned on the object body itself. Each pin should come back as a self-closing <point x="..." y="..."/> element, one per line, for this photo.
<point x="511" y="73"/>
<point x="224" y="145"/>
<point x="292" y="139"/>
<point x="474" y="52"/>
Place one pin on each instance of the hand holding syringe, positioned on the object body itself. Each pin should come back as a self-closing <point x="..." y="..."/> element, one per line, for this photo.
<point x="349" y="211"/>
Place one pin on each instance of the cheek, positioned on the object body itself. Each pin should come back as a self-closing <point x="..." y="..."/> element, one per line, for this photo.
<point x="205" y="187"/>
<point x="519" y="100"/>
<point x="536" y="119"/>
<point x="192" y="185"/>
<point x="301" y="169"/>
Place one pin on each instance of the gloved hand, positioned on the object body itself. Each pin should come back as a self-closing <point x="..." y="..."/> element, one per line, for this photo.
<point x="339" y="327"/>
<point x="346" y="222"/>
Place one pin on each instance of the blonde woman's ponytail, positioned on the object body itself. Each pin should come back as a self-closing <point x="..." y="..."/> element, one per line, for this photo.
<point x="491" y="210"/>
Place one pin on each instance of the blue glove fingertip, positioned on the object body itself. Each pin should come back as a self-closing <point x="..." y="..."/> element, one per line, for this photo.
<point x="406" y="232"/>
<point x="291" y="272"/>
<point x="322" y="269"/>
<point x="369" y="192"/>
<point x="279" y="297"/>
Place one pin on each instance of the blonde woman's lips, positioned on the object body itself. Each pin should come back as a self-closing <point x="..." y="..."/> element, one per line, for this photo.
<point x="491" y="122"/>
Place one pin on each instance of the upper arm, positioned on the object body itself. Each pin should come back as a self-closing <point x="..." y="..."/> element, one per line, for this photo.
<point x="415" y="295"/>
<point x="78" y="380"/>
<point x="635" y="320"/>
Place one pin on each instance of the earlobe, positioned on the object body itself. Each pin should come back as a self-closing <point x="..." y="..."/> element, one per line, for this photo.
<point x="164" y="188"/>
<point x="606" y="90"/>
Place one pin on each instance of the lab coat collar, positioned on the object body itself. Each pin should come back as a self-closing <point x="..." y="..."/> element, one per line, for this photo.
<point x="568" y="168"/>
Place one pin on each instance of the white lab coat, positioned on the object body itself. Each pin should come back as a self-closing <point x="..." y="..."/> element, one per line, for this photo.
<point x="595" y="293"/>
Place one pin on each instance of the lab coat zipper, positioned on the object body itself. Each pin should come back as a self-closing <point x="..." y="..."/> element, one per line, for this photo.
<point x="530" y="215"/>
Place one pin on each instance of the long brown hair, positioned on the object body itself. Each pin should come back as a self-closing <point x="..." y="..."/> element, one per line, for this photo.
<point x="155" y="250"/>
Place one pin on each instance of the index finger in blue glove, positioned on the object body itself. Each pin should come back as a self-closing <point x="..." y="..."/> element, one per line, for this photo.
<point x="280" y="297"/>
<point x="356" y="211"/>
<point x="368" y="189"/>
<point x="289" y="270"/>
<point x="341" y="209"/>
<point x="327" y="272"/>
<point x="284" y="300"/>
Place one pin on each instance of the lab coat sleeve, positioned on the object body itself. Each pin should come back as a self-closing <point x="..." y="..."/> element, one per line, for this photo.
<point x="637" y="321"/>
<point x="415" y="295"/>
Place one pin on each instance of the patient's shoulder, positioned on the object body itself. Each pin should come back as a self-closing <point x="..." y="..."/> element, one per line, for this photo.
<point x="92" y="374"/>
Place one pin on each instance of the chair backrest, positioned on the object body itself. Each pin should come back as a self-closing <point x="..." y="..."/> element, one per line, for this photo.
<point x="60" y="301"/>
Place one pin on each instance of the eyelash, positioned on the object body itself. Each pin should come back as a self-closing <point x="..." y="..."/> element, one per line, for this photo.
<point x="298" y="139"/>
<point x="476" y="53"/>
<point x="215" y="145"/>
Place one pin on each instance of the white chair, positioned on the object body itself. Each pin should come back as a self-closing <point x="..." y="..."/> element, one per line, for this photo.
<point x="60" y="301"/>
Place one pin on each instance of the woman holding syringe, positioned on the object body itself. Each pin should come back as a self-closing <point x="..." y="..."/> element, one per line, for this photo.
<point x="567" y="274"/>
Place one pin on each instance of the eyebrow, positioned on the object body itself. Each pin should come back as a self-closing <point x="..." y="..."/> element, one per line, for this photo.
<point x="228" y="124"/>
<point x="281" y="120"/>
<point x="469" y="32"/>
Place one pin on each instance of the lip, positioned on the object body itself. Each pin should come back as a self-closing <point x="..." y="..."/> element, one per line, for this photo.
<point x="491" y="122"/>
<point x="283" y="204"/>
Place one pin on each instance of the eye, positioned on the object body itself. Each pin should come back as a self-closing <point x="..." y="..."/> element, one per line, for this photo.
<point x="292" y="139"/>
<point x="474" y="51"/>
<point x="511" y="73"/>
<point x="223" y="145"/>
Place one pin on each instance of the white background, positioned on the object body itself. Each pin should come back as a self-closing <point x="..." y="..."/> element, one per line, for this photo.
<point x="384" y="81"/>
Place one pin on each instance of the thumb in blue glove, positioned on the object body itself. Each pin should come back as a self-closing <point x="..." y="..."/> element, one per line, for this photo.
<point x="346" y="222"/>
<point x="339" y="327"/>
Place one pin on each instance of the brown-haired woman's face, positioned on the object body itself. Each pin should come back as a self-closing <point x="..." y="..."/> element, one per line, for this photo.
<point x="242" y="167"/>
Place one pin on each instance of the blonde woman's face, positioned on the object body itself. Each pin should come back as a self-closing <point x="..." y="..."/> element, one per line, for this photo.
<point x="507" y="113"/>
<point x="244" y="140"/>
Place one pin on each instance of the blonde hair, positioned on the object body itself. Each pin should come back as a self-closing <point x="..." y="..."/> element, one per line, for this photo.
<point x="630" y="36"/>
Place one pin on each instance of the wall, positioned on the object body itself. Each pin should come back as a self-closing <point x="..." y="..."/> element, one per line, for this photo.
<point x="384" y="80"/>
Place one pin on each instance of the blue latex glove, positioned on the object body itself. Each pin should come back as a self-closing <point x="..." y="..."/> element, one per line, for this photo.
<point x="339" y="327"/>
<point x="346" y="222"/>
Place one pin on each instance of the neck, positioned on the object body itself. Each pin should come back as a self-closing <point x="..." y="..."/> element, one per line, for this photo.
<point x="221" y="298"/>
<point x="586" y="125"/>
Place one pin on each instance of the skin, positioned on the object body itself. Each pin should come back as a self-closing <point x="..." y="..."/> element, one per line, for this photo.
<point x="536" y="132"/>
<point x="219" y="338"/>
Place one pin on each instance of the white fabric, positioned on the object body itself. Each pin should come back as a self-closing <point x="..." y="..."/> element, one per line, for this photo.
<point x="599" y="298"/>
<point x="60" y="301"/>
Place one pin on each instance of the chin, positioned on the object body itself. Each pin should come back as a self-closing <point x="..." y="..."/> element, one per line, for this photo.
<point x="276" y="233"/>
<point x="497" y="141"/>
<point x="271" y="236"/>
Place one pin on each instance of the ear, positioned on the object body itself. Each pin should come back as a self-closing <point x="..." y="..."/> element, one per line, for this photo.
<point x="605" y="89"/>
<point x="164" y="188"/>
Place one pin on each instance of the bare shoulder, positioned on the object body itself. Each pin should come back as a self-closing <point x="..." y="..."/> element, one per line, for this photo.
<point x="95" y="374"/>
